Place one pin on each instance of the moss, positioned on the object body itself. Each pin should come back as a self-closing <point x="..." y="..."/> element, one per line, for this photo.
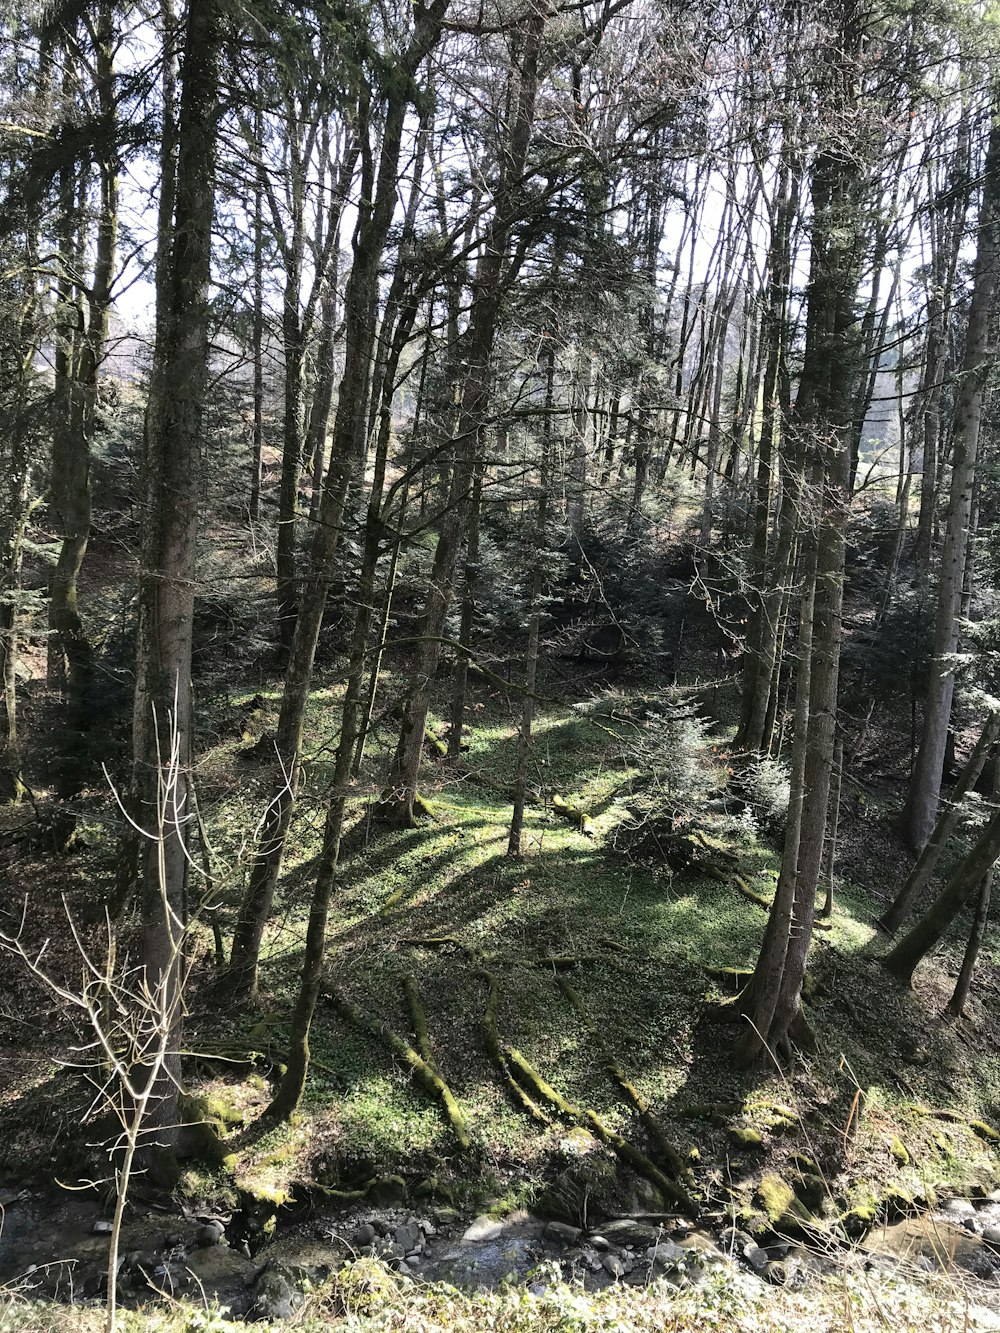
<point x="898" y="1203"/>
<point x="387" y="1189"/>
<point x="742" y="1137"/>
<point x="858" y="1221"/>
<point x="775" y="1196"/>
<point x="898" y="1151"/>
<point x="261" y="1192"/>
<point x="810" y="1189"/>
<point x="984" y="1131"/>
<point x="805" y="1164"/>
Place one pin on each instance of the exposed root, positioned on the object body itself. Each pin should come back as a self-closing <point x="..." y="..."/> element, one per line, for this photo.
<point x="529" y="1077"/>
<point x="437" y="942"/>
<point x="424" y="1072"/>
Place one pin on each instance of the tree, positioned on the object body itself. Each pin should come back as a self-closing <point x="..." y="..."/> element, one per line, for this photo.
<point x="173" y="471"/>
<point x="925" y="785"/>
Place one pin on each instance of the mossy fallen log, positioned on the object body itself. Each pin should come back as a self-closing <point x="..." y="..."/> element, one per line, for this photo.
<point x="435" y="744"/>
<point x="623" y="1150"/>
<point x="761" y="901"/>
<point x="575" y="814"/>
<point x="423" y="1072"/>
<point x="418" y="1019"/>
<point x="491" y="1040"/>
<point x="667" y="1151"/>
<point x="529" y="1077"/>
<point x="564" y="962"/>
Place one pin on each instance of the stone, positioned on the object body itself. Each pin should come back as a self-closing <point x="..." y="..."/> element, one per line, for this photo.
<point x="101" y="1228"/>
<point x="734" y="1240"/>
<point x="218" y="1269"/>
<point x="666" y="1255"/>
<point x="756" y="1259"/>
<point x="631" y="1231"/>
<point x="562" y="1232"/>
<point x="365" y="1234"/>
<point x="275" y="1295"/>
<point x="613" y="1266"/>
<point x="483" y="1228"/>
<point x="409" y="1237"/>
<point x="211" y="1234"/>
<point x="991" y="1236"/>
<point x="600" y="1242"/>
<point x="387" y="1190"/>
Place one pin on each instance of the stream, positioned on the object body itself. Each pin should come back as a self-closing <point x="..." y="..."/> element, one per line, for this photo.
<point x="56" y="1246"/>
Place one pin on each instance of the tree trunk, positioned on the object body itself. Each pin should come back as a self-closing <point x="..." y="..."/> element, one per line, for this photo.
<point x="401" y="792"/>
<point x="822" y="422"/>
<point x="925" y="786"/>
<point x="932" y="926"/>
<point x="167" y="573"/>
<point x="947" y="821"/>
<point x="345" y="452"/>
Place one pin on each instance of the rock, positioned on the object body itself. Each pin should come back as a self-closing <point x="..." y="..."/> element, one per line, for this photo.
<point x="743" y="1137"/>
<point x="365" y="1234"/>
<point x="599" y="1242"/>
<point x="217" y="1269"/>
<point x="404" y="1269"/>
<point x="613" y="1266"/>
<point x="387" y="1190"/>
<point x="991" y="1236"/>
<point x="632" y="1231"/>
<point x="562" y="1232"/>
<point x="667" y="1256"/>
<point x="734" y="1240"/>
<point x="409" y="1237"/>
<point x="777" y="1273"/>
<point x="757" y="1259"/>
<point x="101" y="1228"/>
<point x="275" y="1295"/>
<point x="211" y="1234"/>
<point x="484" y="1228"/>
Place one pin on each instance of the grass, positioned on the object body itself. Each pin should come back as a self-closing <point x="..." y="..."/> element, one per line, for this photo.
<point x="368" y="1298"/>
<point x="646" y="937"/>
<point x="647" y="940"/>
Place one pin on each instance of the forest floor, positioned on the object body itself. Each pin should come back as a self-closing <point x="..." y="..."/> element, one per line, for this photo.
<point x="896" y="1106"/>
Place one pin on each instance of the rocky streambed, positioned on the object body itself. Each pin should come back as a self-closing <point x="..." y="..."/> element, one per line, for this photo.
<point x="57" y="1247"/>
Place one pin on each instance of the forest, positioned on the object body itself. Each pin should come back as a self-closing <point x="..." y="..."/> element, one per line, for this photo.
<point x="500" y="645"/>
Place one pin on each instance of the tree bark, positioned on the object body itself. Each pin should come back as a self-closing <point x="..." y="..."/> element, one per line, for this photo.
<point x="346" y="448"/>
<point x="947" y="821"/>
<point x="925" y="787"/>
<point x="173" y="468"/>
